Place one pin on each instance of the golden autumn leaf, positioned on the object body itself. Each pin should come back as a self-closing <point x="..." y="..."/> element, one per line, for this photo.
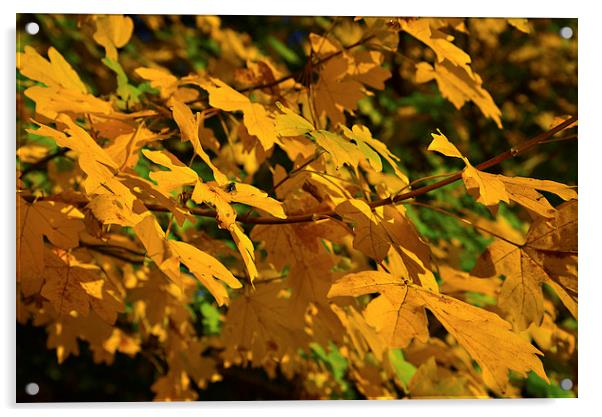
<point x="398" y="314"/>
<point x="339" y="148"/>
<point x="370" y="235"/>
<point x="63" y="91"/>
<point x="548" y="256"/>
<point x="58" y="222"/>
<point x="438" y="41"/>
<point x="159" y="78"/>
<point x="54" y="72"/>
<point x="334" y="93"/>
<point x="72" y="287"/>
<point x="189" y="125"/>
<point x="290" y="123"/>
<point x="431" y="382"/>
<point x="255" y="117"/>
<point x="490" y="189"/>
<point x="112" y="32"/>
<point x="459" y="85"/>
<point x="487" y="338"/>
<point x="257" y="326"/>
<point x="441" y="144"/>
<point x="219" y="197"/>
<point x="178" y="174"/>
<point x="246" y="249"/>
<point x="93" y="159"/>
<point x="363" y="336"/>
<point x="300" y="247"/>
<point x="206" y="268"/>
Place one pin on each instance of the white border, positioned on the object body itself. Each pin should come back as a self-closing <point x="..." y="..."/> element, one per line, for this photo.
<point x="589" y="180"/>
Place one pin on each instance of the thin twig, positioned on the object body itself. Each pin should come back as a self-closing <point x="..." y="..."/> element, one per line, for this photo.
<point x="460" y="219"/>
<point x="311" y="217"/>
<point x="39" y="165"/>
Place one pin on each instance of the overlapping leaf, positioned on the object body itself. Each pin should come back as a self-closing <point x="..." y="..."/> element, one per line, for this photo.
<point x="548" y="256"/>
<point x="398" y="314"/>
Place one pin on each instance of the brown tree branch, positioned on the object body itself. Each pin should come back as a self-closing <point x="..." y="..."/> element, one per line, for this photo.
<point x="310" y="217"/>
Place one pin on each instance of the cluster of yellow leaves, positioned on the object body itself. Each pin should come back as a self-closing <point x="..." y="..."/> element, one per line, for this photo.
<point x="108" y="236"/>
<point x="456" y="79"/>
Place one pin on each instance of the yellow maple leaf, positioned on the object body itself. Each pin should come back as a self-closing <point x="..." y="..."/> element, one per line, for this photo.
<point x="290" y="123"/>
<point x="398" y="314"/>
<point x="255" y="117"/>
<point x="189" y="125"/>
<point x="371" y="236"/>
<point x="548" y="255"/>
<point x="64" y="90"/>
<point x="206" y="269"/>
<point x="334" y="94"/>
<point x="459" y="85"/>
<point x="490" y="189"/>
<point x="159" y="78"/>
<point x="258" y="326"/>
<point x="439" y="42"/>
<point x="54" y="72"/>
<point x="112" y="32"/>
<point x="73" y="287"/>
<point x="178" y="174"/>
<point x="59" y="222"/>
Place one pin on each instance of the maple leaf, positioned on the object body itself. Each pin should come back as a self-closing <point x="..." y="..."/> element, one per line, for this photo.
<point x="372" y="148"/>
<point x="64" y="90"/>
<point x="299" y="247"/>
<point x="113" y="32"/>
<point x="384" y="231"/>
<point x="71" y="286"/>
<point x="93" y="160"/>
<point x="362" y="336"/>
<point x="452" y="71"/>
<point x="178" y="174"/>
<point x="246" y="249"/>
<point x="438" y="41"/>
<point x="290" y="123"/>
<point x="255" y="117"/>
<point x="334" y="93"/>
<point x="340" y="149"/>
<point x="548" y="255"/>
<point x="160" y="78"/>
<point x="206" y="268"/>
<point x="367" y="68"/>
<point x="490" y="189"/>
<point x="398" y="314"/>
<point x="258" y="325"/>
<point x="189" y="125"/>
<point x="370" y="235"/>
<point x="361" y="144"/>
<point x="59" y="222"/>
<point x="54" y="72"/>
<point x="459" y="85"/>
